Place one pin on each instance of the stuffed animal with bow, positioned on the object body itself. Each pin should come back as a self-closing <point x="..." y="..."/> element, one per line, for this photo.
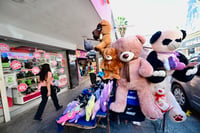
<point x="133" y="76"/>
<point x="111" y="64"/>
<point x="166" y="62"/>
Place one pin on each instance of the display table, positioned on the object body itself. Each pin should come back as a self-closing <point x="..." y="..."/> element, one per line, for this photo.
<point x="82" y="123"/>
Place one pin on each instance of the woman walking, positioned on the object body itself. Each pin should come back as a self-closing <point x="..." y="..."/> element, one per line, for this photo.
<point x="45" y="79"/>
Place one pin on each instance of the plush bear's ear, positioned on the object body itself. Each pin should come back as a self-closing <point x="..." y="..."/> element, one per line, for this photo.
<point x="141" y="38"/>
<point x="155" y="37"/>
<point x="184" y="34"/>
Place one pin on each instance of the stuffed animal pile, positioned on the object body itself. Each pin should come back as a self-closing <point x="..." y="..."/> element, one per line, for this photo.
<point x="110" y="64"/>
<point x="87" y="104"/>
<point x="167" y="62"/>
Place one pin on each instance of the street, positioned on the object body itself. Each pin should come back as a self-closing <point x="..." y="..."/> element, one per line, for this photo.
<point x="24" y="122"/>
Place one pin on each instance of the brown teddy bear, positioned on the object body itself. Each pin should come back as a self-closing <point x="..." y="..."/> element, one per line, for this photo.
<point x="111" y="63"/>
<point x="133" y="75"/>
<point x="103" y="28"/>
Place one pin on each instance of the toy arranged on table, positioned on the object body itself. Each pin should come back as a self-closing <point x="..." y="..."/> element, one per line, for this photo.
<point x="133" y="76"/>
<point x="70" y="114"/>
<point x="80" y="114"/>
<point x="89" y="107"/>
<point x="105" y="95"/>
<point x="104" y="29"/>
<point x="166" y="62"/>
<point x="102" y="102"/>
<point x="95" y="109"/>
<point x="111" y="64"/>
<point x="83" y="97"/>
<point x="70" y="106"/>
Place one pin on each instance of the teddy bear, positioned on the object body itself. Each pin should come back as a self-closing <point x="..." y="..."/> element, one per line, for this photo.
<point x="110" y="64"/>
<point x="104" y="29"/>
<point x="167" y="62"/>
<point x="133" y="75"/>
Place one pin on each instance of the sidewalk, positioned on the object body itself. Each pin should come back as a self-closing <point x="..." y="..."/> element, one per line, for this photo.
<point x="24" y="123"/>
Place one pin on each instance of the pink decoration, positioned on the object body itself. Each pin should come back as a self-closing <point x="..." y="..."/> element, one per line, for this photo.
<point x="62" y="81"/>
<point x="22" y="87"/>
<point x="4" y="47"/>
<point x="35" y="70"/>
<point x="46" y="55"/>
<point x="54" y="63"/>
<point x="15" y="65"/>
<point x="62" y="70"/>
<point x="61" y="56"/>
<point x="37" y="55"/>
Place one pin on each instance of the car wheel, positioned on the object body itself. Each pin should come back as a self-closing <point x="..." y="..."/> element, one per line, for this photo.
<point x="180" y="96"/>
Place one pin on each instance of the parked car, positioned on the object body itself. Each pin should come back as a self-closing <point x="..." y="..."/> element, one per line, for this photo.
<point x="188" y="93"/>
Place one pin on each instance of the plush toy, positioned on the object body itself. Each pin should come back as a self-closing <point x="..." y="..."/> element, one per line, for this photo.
<point x="69" y="115"/>
<point x="89" y="107"/>
<point x="102" y="102"/>
<point x="166" y="62"/>
<point x="104" y="29"/>
<point x="105" y="94"/>
<point x="80" y="114"/>
<point x="111" y="64"/>
<point x="133" y="76"/>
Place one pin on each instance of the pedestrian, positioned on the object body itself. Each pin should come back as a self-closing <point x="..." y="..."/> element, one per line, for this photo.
<point x="92" y="74"/>
<point x="46" y="81"/>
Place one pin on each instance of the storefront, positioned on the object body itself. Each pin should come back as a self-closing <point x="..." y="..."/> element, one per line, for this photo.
<point x="191" y="46"/>
<point x="20" y="67"/>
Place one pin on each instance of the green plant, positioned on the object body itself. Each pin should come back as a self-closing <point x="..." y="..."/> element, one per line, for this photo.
<point x="121" y="23"/>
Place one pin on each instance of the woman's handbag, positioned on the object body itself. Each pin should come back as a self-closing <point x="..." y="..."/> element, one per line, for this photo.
<point x="56" y="88"/>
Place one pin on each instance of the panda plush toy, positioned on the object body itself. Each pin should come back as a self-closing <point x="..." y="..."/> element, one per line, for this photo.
<point x="167" y="62"/>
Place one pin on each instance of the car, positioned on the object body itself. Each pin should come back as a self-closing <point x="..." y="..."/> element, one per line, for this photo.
<point x="187" y="94"/>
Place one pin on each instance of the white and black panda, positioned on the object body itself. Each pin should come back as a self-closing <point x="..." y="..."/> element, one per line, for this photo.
<point x="167" y="62"/>
<point x="165" y="58"/>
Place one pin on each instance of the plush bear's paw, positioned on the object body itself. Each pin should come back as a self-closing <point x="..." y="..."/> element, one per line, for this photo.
<point x="177" y="116"/>
<point x="117" y="107"/>
<point x="191" y="71"/>
<point x="116" y="76"/>
<point x="160" y="73"/>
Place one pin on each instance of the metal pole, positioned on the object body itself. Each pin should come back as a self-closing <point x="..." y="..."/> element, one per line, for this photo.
<point x="4" y="95"/>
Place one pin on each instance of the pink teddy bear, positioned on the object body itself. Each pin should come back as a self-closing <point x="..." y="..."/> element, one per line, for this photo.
<point x="133" y="77"/>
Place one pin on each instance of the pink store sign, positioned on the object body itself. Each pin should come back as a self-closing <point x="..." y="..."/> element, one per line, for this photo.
<point x="81" y="54"/>
<point x="46" y="55"/>
<point x="62" y="70"/>
<point x="4" y="47"/>
<point x="15" y="65"/>
<point x="22" y="87"/>
<point x="35" y="70"/>
<point x="37" y="55"/>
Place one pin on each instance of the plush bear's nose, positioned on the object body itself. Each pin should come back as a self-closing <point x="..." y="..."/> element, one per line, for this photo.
<point x="125" y="56"/>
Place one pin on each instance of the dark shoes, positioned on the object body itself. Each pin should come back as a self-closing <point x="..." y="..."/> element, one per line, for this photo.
<point x="60" y="107"/>
<point x="37" y="119"/>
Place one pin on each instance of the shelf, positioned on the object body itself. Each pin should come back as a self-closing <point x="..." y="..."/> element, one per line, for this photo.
<point x="27" y="78"/>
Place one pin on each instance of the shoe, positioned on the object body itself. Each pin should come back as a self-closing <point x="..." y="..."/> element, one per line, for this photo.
<point x="38" y="119"/>
<point x="59" y="108"/>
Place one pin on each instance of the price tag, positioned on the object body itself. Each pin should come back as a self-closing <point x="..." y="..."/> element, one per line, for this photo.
<point x="15" y="65"/>
<point x="22" y="87"/>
